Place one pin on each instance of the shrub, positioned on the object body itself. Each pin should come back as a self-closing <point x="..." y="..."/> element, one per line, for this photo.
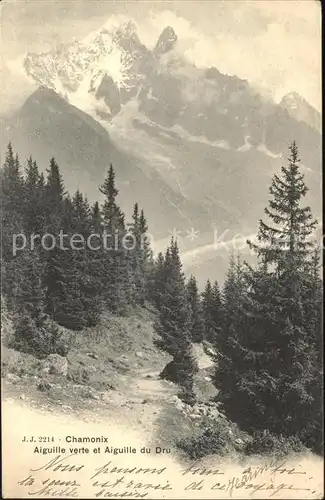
<point x="265" y="443"/>
<point x="37" y="339"/>
<point x="181" y="370"/>
<point x="6" y="323"/>
<point x="213" y="437"/>
<point x="187" y="395"/>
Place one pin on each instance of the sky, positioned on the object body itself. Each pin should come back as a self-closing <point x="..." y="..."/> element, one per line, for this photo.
<point x="274" y="44"/>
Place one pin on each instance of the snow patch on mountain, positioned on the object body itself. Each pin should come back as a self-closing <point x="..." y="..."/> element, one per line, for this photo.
<point x="76" y="69"/>
<point x="246" y="146"/>
<point x="121" y="127"/>
<point x="263" y="149"/>
<point x="116" y="65"/>
<point x="155" y="102"/>
<point x="113" y="23"/>
<point x="178" y="129"/>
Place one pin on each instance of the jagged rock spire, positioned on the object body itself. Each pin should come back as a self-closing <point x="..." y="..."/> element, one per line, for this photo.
<point x="166" y="41"/>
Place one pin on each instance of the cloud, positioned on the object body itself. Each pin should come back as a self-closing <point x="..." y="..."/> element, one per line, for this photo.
<point x="156" y="21"/>
<point x="280" y="55"/>
<point x="273" y="44"/>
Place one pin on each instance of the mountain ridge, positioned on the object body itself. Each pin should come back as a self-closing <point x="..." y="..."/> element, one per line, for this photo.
<point x="78" y="68"/>
<point x="204" y="145"/>
<point x="46" y="126"/>
<point x="300" y="109"/>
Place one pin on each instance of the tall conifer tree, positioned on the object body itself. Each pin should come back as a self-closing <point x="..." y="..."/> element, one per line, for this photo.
<point x="272" y="351"/>
<point x="116" y="278"/>
<point x="196" y="312"/>
<point x="212" y="312"/>
<point x="173" y="325"/>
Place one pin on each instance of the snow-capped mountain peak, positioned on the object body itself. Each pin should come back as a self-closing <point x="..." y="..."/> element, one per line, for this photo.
<point x="110" y="67"/>
<point x="166" y="41"/>
<point x="112" y="58"/>
<point x="77" y="69"/>
<point x="292" y="102"/>
<point x="301" y="110"/>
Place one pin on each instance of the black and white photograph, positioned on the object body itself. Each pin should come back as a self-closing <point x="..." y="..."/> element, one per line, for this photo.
<point x="161" y="249"/>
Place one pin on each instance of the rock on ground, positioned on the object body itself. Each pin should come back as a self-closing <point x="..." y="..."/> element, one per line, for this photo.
<point x="56" y="364"/>
<point x="11" y="377"/>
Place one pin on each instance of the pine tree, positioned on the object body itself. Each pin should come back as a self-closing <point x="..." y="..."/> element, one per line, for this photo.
<point x="135" y="217"/>
<point x="64" y="298"/>
<point x="30" y="294"/>
<point x="173" y="325"/>
<point x="41" y="181"/>
<point x="12" y="211"/>
<point x="112" y="215"/>
<point x="116" y="278"/>
<point x="286" y="248"/>
<point x="73" y="292"/>
<point x="74" y="297"/>
<point x="157" y="280"/>
<point x="57" y="217"/>
<point x="218" y="313"/>
<point x="145" y="243"/>
<point x="54" y="195"/>
<point x="96" y="253"/>
<point x="229" y="356"/>
<point x="81" y="215"/>
<point x="12" y="180"/>
<point x="23" y="273"/>
<point x="11" y="202"/>
<point x="34" y="199"/>
<point x="212" y="312"/>
<point x="312" y="297"/>
<point x="58" y="262"/>
<point x="272" y="350"/>
<point x="286" y="243"/>
<point x="85" y="260"/>
<point x="96" y="218"/>
<point x="207" y="306"/>
<point x="196" y="313"/>
<point x="232" y="295"/>
<point x="32" y="175"/>
<point x="135" y="259"/>
<point x="140" y="256"/>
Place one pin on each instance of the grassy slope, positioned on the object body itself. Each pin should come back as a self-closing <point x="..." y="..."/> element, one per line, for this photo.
<point x="112" y="385"/>
<point x="113" y="371"/>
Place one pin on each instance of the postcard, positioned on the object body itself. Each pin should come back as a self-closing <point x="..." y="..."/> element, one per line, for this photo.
<point x="161" y="249"/>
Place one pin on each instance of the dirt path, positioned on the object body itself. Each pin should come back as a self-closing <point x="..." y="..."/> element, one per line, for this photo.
<point x="129" y="419"/>
<point x="150" y="386"/>
<point x="136" y="402"/>
<point x="20" y="420"/>
<point x="140" y="405"/>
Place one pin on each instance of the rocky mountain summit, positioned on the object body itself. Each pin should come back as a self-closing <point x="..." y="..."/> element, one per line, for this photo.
<point x="112" y="67"/>
<point x="195" y="147"/>
<point x="110" y="64"/>
<point x="301" y="110"/>
<point x="166" y="41"/>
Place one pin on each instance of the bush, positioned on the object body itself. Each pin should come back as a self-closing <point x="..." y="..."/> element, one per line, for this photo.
<point x="213" y="437"/>
<point x="187" y="395"/>
<point x="181" y="370"/>
<point x="37" y="339"/>
<point x="265" y="443"/>
<point x="6" y="323"/>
